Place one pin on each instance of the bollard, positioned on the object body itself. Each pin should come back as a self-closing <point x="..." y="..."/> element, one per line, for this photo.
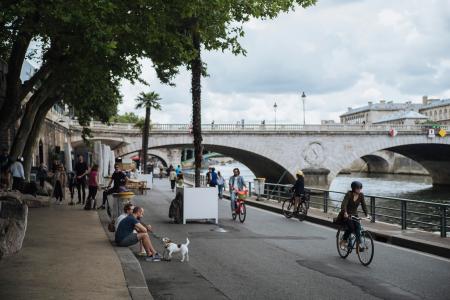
<point x="372" y="209"/>
<point x="249" y="189"/>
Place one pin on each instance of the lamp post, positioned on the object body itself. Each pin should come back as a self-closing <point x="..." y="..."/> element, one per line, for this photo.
<point x="275" y="106"/>
<point x="303" y="101"/>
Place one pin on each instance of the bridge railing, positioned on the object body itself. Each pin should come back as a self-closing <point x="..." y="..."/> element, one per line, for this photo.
<point x="187" y="128"/>
<point x="430" y="216"/>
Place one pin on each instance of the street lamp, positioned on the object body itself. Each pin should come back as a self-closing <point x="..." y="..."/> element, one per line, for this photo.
<point x="275" y="106"/>
<point x="303" y="101"/>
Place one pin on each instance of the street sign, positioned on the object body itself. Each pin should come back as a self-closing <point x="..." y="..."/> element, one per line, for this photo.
<point x="442" y="132"/>
<point x="431" y="133"/>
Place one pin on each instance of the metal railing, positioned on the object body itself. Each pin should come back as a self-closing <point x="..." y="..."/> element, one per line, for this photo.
<point x="430" y="216"/>
<point x="187" y="128"/>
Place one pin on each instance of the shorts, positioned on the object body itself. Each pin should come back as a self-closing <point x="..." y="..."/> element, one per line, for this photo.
<point x="129" y="240"/>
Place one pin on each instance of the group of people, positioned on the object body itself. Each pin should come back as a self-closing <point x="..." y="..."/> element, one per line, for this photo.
<point x="176" y="177"/>
<point x="214" y="179"/>
<point x="11" y="168"/>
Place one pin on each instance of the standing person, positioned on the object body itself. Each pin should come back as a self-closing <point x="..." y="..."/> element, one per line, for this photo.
<point x="349" y="207"/>
<point x="213" y="181"/>
<point x="172" y="178"/>
<point x="178" y="170"/>
<point x="220" y="184"/>
<point x="81" y="170"/>
<point x="93" y="187"/>
<point x="41" y="174"/>
<point x="5" y="162"/>
<point x="72" y="183"/>
<point x="236" y="183"/>
<point x="160" y="172"/>
<point x="59" y="177"/>
<point x="18" y="174"/>
<point x="208" y="176"/>
<point x="180" y="180"/>
<point x="168" y="170"/>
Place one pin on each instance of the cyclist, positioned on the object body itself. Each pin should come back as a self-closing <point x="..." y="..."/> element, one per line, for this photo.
<point x="349" y="208"/>
<point x="298" y="189"/>
<point x="236" y="183"/>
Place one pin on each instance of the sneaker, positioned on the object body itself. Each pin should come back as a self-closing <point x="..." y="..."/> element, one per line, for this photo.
<point x="343" y="244"/>
<point x="233" y="215"/>
<point x="156" y="257"/>
<point x="142" y="253"/>
<point x="361" y="249"/>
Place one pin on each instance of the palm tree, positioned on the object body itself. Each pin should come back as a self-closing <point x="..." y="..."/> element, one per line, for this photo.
<point x="147" y="101"/>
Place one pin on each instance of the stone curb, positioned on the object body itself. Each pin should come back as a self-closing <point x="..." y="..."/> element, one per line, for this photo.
<point x="410" y="243"/>
<point x="132" y="271"/>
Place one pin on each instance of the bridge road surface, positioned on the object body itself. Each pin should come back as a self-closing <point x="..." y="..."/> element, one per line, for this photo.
<point x="271" y="257"/>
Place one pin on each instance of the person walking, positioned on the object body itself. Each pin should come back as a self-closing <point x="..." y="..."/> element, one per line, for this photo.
<point x="173" y="179"/>
<point x="213" y="181"/>
<point x="18" y="174"/>
<point x="59" y="177"/>
<point x="41" y="174"/>
<point x="178" y="170"/>
<point x="208" y="176"/>
<point x="71" y="181"/>
<point x="81" y="170"/>
<point x="93" y="187"/>
<point x="220" y="184"/>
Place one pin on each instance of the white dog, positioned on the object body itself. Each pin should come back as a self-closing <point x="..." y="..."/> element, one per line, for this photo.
<point x="171" y="247"/>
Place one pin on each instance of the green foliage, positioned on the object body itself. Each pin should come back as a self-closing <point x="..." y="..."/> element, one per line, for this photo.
<point x="151" y="100"/>
<point x="128" y="117"/>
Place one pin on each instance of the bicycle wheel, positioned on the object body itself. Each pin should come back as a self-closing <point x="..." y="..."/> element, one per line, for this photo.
<point x="302" y="211"/>
<point x="365" y="256"/>
<point x="242" y="212"/>
<point x="343" y="252"/>
<point x="233" y="215"/>
<point x="288" y="208"/>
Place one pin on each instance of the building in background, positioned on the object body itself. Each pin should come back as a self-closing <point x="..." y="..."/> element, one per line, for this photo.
<point x="437" y="110"/>
<point x="373" y="112"/>
<point x="403" y="118"/>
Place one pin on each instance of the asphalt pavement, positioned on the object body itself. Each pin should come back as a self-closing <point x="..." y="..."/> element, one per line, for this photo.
<point x="271" y="257"/>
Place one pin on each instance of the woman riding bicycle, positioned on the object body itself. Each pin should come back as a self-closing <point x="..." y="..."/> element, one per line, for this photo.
<point x="236" y="183"/>
<point x="349" y="208"/>
<point x="298" y="189"/>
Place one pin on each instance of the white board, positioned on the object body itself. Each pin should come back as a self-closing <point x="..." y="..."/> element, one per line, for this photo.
<point x="200" y="203"/>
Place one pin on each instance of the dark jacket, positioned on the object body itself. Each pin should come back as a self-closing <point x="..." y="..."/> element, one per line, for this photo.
<point x="299" y="187"/>
<point x="350" y="206"/>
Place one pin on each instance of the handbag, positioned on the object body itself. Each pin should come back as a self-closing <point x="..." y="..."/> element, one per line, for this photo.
<point x="340" y="219"/>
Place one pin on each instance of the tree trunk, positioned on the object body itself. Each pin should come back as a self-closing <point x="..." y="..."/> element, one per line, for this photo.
<point x="32" y="138"/>
<point x="145" y="140"/>
<point x="30" y="114"/>
<point x="10" y="108"/>
<point x="196" y="67"/>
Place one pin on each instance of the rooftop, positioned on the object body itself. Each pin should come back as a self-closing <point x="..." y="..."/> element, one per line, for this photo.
<point x="383" y="106"/>
<point x="402" y="115"/>
<point x="436" y="103"/>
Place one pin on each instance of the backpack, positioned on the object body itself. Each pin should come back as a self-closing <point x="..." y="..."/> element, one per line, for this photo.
<point x="176" y="209"/>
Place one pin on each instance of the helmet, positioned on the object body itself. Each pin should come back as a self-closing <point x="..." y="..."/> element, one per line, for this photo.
<point x="356" y="185"/>
<point x="300" y="173"/>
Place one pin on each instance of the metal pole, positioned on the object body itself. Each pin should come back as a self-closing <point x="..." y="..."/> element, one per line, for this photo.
<point x="403" y="214"/>
<point x="303" y="100"/>
<point x="325" y="201"/>
<point x="443" y="221"/>
<point x="372" y="209"/>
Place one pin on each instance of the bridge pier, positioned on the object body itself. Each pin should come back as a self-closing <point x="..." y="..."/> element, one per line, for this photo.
<point x="316" y="177"/>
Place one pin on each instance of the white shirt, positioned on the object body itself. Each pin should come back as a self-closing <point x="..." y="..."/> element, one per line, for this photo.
<point x="235" y="183"/>
<point x="17" y="170"/>
<point x="119" y="219"/>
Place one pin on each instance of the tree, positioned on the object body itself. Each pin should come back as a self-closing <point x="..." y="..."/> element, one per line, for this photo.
<point x="147" y="101"/>
<point x="128" y="117"/>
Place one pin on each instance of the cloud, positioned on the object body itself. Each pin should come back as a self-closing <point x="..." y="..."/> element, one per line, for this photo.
<point x="341" y="53"/>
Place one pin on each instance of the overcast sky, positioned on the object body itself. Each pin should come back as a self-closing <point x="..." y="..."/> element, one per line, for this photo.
<point x="342" y="53"/>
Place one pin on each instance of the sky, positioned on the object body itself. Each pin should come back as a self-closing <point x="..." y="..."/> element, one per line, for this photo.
<point x="341" y="53"/>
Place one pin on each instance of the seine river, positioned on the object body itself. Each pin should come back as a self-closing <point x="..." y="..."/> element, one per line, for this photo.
<point x="388" y="185"/>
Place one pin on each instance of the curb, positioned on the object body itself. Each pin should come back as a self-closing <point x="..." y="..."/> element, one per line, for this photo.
<point x="132" y="271"/>
<point x="409" y="243"/>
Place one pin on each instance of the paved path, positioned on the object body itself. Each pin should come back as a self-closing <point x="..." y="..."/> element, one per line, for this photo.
<point x="270" y="257"/>
<point x="66" y="255"/>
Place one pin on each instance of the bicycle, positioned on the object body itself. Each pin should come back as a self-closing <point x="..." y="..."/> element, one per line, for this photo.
<point x="365" y="250"/>
<point x="240" y="209"/>
<point x="289" y="209"/>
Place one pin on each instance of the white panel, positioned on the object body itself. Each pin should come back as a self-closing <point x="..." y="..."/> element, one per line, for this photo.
<point x="200" y="203"/>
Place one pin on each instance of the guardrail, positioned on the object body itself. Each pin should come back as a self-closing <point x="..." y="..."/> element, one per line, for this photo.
<point x="187" y="128"/>
<point x="407" y="213"/>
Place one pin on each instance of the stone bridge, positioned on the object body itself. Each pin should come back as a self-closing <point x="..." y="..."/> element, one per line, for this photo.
<point x="321" y="151"/>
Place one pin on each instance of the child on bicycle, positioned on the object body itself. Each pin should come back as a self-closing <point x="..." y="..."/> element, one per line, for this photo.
<point x="349" y="208"/>
<point x="236" y="183"/>
<point x="298" y="189"/>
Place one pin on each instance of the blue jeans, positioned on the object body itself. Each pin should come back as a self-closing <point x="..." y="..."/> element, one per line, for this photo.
<point x="220" y="188"/>
<point x="352" y="226"/>
<point x="233" y="200"/>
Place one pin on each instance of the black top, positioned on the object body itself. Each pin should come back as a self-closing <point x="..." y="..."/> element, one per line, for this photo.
<point x="299" y="187"/>
<point x="81" y="168"/>
<point x="119" y="179"/>
<point x="350" y="206"/>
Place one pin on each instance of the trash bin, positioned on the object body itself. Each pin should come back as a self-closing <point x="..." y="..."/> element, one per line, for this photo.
<point x="259" y="187"/>
<point x="119" y="201"/>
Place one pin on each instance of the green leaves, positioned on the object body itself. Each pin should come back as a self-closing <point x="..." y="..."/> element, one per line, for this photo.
<point x="148" y="100"/>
